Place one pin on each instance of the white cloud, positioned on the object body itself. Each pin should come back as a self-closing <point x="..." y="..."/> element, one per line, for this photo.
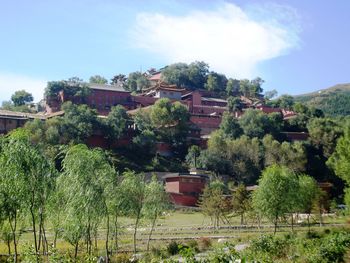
<point x="230" y="39"/>
<point x="9" y="83"/>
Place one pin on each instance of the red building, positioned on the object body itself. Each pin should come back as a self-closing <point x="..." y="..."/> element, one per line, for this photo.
<point x="185" y="189"/>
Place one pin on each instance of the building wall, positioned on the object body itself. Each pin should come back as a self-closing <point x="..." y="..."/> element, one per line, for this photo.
<point x="191" y="185"/>
<point x="172" y="186"/>
<point x="7" y="125"/>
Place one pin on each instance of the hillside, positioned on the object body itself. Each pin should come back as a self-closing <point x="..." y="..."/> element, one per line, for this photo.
<point x="334" y="101"/>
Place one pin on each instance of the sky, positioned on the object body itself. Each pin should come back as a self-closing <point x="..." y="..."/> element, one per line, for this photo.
<point x="296" y="46"/>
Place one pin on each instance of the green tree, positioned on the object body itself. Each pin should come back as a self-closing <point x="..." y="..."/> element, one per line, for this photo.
<point x="270" y="94"/>
<point x="137" y="81"/>
<point x="277" y="193"/>
<point x="192" y="156"/>
<point x="212" y="202"/>
<point x="245" y="156"/>
<point x="339" y="161"/>
<point x="255" y="123"/>
<point x="116" y="122"/>
<point x="230" y="127"/>
<point x="97" y="79"/>
<point x="324" y="134"/>
<point x="234" y="104"/>
<point x="291" y="155"/>
<point x="241" y="201"/>
<point x="86" y="173"/>
<point x="133" y="191"/>
<point x="308" y="193"/>
<point x="21" y="97"/>
<point x="286" y="102"/>
<point x="216" y="82"/>
<point x="155" y="203"/>
<point x="119" y="79"/>
<point x="232" y="87"/>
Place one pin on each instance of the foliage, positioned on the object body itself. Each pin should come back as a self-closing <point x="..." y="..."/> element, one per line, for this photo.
<point x="241" y="201"/>
<point x="21" y="97"/>
<point x="230" y="126"/>
<point x="256" y="123"/>
<point x="234" y="104"/>
<point x="213" y="203"/>
<point x="116" y="122"/>
<point x="339" y="160"/>
<point x="192" y="156"/>
<point x="291" y="155"/>
<point x="193" y="76"/>
<point x="215" y="82"/>
<point x="97" y="79"/>
<point x="137" y="82"/>
<point x="277" y="193"/>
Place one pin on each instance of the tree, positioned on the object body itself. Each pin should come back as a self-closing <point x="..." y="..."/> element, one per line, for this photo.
<point x="244" y="155"/>
<point x="291" y="155"/>
<point x="137" y="82"/>
<point x="192" y="155"/>
<point x="192" y="76"/>
<point x="119" y="79"/>
<point x="35" y="174"/>
<point x="234" y="104"/>
<point x="230" y="127"/>
<point x="270" y="94"/>
<point x="339" y="161"/>
<point x="216" y="82"/>
<point x="21" y="97"/>
<point x="133" y="189"/>
<point x="97" y="79"/>
<point x="86" y="173"/>
<point x="277" y="193"/>
<point x="232" y="87"/>
<point x="286" y="102"/>
<point x="116" y="122"/>
<point x="256" y="123"/>
<point x="324" y="134"/>
<point x="156" y="202"/>
<point x="79" y="122"/>
<point x="308" y="193"/>
<point x="241" y="201"/>
<point x="212" y="202"/>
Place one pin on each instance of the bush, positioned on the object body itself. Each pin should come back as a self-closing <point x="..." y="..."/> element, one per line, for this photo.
<point x="173" y="248"/>
<point x="193" y="244"/>
<point x="204" y="243"/>
<point x="122" y="258"/>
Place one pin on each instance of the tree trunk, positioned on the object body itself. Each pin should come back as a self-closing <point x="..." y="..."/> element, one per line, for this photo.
<point x="116" y="232"/>
<point x="242" y="219"/>
<point x="308" y="221"/>
<point x="34" y="229"/>
<point x="135" y="230"/>
<point x="150" y="233"/>
<point x="275" y="230"/>
<point x="9" y="246"/>
<point x="13" y="230"/>
<point x="292" y="223"/>
<point x="76" y="251"/>
<point x="107" y="240"/>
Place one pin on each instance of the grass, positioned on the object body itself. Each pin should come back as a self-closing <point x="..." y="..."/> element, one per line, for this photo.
<point x="181" y="226"/>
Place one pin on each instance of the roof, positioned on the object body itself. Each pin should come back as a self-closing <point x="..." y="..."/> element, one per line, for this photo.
<point x="214" y="99"/>
<point x="156" y="76"/>
<point x="175" y="175"/>
<point x="24" y="116"/>
<point x="117" y="87"/>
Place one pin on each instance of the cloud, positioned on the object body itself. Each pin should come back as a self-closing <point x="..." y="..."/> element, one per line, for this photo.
<point x="9" y="83"/>
<point x="232" y="40"/>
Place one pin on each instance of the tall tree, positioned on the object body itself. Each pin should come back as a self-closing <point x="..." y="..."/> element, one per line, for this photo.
<point x="277" y="193"/>
<point x="156" y="202"/>
<point x="241" y="201"/>
<point x="116" y="122"/>
<point x="21" y="97"/>
<point x="232" y="87"/>
<point x="230" y="127"/>
<point x="83" y="184"/>
<point x="133" y="191"/>
<point x="137" y="81"/>
<point x="216" y="82"/>
<point x="97" y="79"/>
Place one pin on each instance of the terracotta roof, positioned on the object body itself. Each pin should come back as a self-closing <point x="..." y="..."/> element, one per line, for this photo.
<point x="156" y="76"/>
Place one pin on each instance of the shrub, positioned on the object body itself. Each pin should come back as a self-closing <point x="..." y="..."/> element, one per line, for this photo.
<point x="193" y="244"/>
<point x="204" y="243"/>
<point x="173" y="248"/>
<point x="122" y="258"/>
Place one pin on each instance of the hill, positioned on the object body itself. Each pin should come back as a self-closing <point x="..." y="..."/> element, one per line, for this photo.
<point x="334" y="101"/>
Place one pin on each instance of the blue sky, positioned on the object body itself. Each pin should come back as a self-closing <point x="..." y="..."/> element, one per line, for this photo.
<point x="295" y="46"/>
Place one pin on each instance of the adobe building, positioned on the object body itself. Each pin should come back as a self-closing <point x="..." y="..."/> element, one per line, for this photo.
<point x="185" y="189"/>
